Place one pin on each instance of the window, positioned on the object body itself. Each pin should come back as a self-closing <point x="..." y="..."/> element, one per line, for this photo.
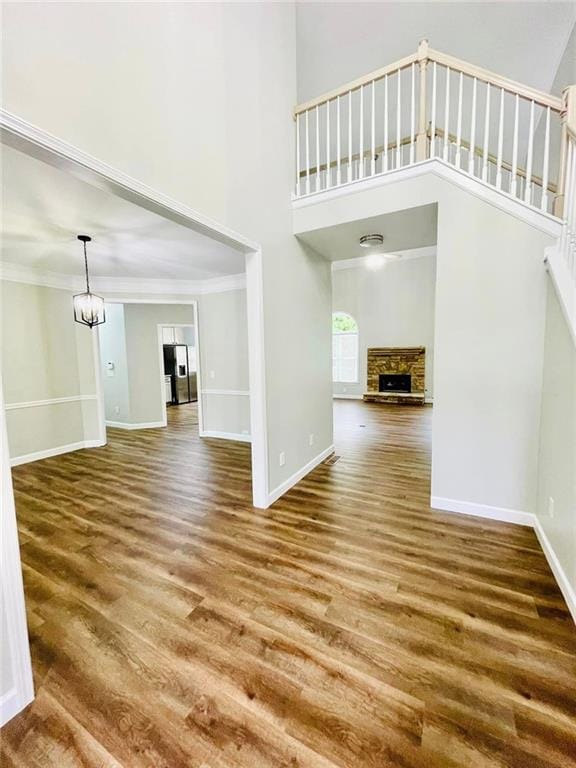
<point x="344" y="348"/>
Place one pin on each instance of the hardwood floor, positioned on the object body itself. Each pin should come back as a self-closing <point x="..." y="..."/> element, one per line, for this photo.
<point x="173" y="625"/>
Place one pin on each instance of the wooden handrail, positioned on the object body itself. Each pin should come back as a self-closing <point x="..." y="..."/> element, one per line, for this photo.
<point x="354" y="85"/>
<point x="512" y="86"/>
<point x="459" y="65"/>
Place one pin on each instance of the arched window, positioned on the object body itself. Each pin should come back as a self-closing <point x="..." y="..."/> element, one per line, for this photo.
<point x="344" y="348"/>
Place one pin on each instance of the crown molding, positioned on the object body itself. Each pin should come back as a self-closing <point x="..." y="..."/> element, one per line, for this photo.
<point x="26" y="137"/>
<point x="19" y="273"/>
<point x="362" y="261"/>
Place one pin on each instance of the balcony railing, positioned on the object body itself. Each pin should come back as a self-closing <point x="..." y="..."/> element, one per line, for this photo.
<point x="431" y="105"/>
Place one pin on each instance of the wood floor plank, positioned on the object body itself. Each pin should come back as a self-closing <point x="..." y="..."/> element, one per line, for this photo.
<point x="349" y="626"/>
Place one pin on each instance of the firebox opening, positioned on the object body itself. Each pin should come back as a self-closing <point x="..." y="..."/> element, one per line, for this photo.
<point x="394" y="382"/>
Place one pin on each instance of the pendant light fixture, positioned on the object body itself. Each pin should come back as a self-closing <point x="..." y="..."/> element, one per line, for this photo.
<point x="88" y="307"/>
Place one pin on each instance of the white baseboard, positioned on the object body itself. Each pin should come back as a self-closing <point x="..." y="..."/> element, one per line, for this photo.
<point x="59" y="449"/>
<point x="346" y="396"/>
<point x="566" y="588"/>
<point x="519" y="518"/>
<point x="429" y="400"/>
<point x="502" y="514"/>
<point x="297" y="476"/>
<point x="238" y="436"/>
<point x="142" y="425"/>
<point x="13" y="702"/>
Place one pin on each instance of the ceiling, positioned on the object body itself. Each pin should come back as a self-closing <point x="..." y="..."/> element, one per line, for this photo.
<point x="44" y="208"/>
<point x="339" y="41"/>
<point x="402" y="230"/>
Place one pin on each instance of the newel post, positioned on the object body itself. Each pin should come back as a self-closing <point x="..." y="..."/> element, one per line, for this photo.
<point x="567" y="118"/>
<point x="421" y="137"/>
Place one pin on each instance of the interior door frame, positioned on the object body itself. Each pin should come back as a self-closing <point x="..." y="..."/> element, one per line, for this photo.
<point x="159" y="328"/>
<point x="31" y="140"/>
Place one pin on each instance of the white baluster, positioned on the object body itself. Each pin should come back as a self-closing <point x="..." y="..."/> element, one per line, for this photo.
<point x="500" y="141"/>
<point x="385" y="123"/>
<point x="486" y="134"/>
<point x="361" y="159"/>
<point x="328" y="171"/>
<point x="446" y="116"/>
<point x="545" y="170"/>
<point x="398" y="128"/>
<point x="317" y="185"/>
<point x="373" y="131"/>
<point x="514" y="181"/>
<point x="298" y="155"/>
<point x="433" y="119"/>
<point x="413" y="114"/>
<point x="338" y="149"/>
<point x="528" y="190"/>
<point x="459" y="122"/>
<point x="473" y="130"/>
<point x="307" y="156"/>
<point x="349" y="135"/>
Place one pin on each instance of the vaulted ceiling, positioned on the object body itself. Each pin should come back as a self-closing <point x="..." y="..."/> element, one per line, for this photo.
<point x="339" y="41"/>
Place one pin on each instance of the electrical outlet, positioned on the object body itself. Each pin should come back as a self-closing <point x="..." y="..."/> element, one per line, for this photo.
<point x="117" y="409"/>
<point x="212" y="374"/>
<point x="311" y="439"/>
<point x="282" y="458"/>
<point x="344" y="389"/>
<point x="550" y="506"/>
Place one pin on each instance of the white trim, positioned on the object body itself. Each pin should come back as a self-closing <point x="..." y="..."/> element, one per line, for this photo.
<point x="238" y="392"/>
<point x="16" y="651"/>
<point x="57" y="451"/>
<point x="544" y="222"/>
<point x="281" y="489"/>
<point x="32" y="140"/>
<point x="361" y="261"/>
<point x="10" y="705"/>
<point x="49" y="401"/>
<point x="239" y="437"/>
<point x="257" y="374"/>
<point x="345" y="396"/>
<point x="141" y="425"/>
<point x="502" y="514"/>
<point x="18" y="273"/>
<point x="429" y="400"/>
<point x="568" y="591"/>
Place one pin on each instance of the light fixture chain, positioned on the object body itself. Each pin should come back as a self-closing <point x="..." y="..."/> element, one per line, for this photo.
<point x="86" y="268"/>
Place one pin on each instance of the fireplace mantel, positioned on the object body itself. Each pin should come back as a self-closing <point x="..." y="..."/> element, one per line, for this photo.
<point x="385" y="363"/>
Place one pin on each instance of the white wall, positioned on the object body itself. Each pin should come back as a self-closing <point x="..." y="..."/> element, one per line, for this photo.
<point x="393" y="306"/>
<point x="112" y="337"/>
<point x="46" y="356"/>
<point x="557" y="460"/>
<point x="225" y="150"/>
<point x="488" y="343"/>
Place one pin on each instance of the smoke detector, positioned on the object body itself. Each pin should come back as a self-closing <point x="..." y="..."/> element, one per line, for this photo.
<point x="371" y="241"/>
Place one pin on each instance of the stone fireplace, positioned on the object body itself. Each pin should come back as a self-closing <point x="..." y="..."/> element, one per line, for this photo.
<point x="396" y="375"/>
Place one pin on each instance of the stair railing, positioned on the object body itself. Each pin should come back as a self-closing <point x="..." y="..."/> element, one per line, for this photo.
<point x="432" y="105"/>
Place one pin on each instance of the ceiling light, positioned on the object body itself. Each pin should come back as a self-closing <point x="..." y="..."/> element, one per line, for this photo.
<point x="371" y="241"/>
<point x="88" y="307"/>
